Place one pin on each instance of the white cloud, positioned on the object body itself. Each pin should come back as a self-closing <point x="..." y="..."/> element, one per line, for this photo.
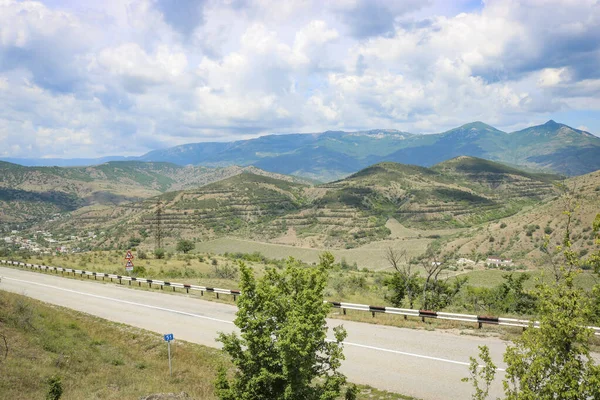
<point x="142" y="73"/>
<point x="552" y="76"/>
<point x="138" y="69"/>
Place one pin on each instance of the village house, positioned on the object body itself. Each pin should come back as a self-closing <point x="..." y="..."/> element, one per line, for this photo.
<point x="496" y="260"/>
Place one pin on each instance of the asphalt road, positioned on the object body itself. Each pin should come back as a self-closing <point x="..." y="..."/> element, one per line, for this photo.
<point x="419" y="363"/>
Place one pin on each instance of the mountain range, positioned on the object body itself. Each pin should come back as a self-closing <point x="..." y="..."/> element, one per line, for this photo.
<point x="551" y="147"/>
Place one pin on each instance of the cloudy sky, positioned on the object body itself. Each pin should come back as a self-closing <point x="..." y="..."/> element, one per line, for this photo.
<point x="91" y="78"/>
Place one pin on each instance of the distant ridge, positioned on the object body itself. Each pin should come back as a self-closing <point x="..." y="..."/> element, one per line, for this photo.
<point x="551" y="147"/>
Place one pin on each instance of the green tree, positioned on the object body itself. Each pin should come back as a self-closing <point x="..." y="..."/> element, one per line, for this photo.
<point x="185" y="246"/>
<point x="507" y="297"/>
<point x="441" y="293"/>
<point x="283" y="352"/>
<point x="554" y="361"/>
<point x="481" y="376"/>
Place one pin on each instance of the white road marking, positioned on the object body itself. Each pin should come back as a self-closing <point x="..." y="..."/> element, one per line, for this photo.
<point x="413" y="355"/>
<point x="123" y="301"/>
<point x="230" y="322"/>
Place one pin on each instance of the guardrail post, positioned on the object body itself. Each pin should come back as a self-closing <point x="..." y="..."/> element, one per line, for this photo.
<point x="139" y="284"/>
<point x="187" y="290"/>
<point x="373" y="312"/>
<point x="161" y="287"/>
<point x="234" y="297"/>
<point x="480" y="325"/>
<point x="129" y="283"/>
<point x="423" y="319"/>
<point x="217" y="295"/>
<point x="344" y="310"/>
<point x="202" y="293"/>
<point x="173" y="288"/>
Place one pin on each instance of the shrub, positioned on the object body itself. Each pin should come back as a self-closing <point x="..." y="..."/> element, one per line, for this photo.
<point x="159" y="254"/>
<point x="226" y="272"/>
<point x="55" y="389"/>
<point x="185" y="246"/>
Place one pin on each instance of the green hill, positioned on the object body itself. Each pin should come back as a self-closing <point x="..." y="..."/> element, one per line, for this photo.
<point x="461" y="192"/>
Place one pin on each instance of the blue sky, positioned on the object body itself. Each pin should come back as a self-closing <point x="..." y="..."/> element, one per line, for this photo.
<point x="118" y="77"/>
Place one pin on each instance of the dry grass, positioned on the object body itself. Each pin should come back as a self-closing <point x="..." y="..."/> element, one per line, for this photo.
<point x="95" y="359"/>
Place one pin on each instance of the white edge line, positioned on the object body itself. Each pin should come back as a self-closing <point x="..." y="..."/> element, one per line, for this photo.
<point x="230" y="322"/>
<point x="123" y="301"/>
<point x="410" y="354"/>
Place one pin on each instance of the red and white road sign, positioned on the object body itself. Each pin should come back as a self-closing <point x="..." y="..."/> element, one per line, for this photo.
<point x="129" y="256"/>
<point x="129" y="265"/>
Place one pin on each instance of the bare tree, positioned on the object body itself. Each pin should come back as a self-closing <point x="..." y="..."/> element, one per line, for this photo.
<point x="561" y="261"/>
<point x="395" y="258"/>
<point x="433" y="264"/>
<point x="398" y="259"/>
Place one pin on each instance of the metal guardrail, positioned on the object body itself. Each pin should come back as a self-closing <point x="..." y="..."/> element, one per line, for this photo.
<point x="122" y="278"/>
<point x="406" y="312"/>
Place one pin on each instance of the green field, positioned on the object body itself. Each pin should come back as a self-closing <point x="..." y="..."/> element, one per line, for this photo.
<point x="371" y="256"/>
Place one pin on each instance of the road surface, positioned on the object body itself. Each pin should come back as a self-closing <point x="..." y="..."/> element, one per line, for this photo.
<point x="424" y="364"/>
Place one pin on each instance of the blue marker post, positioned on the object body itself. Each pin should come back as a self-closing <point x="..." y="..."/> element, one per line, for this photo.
<point x="168" y="337"/>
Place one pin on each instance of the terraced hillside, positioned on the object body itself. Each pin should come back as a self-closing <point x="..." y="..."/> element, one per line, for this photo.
<point x="459" y="193"/>
<point x="230" y="205"/>
<point x="522" y="235"/>
<point x="31" y="194"/>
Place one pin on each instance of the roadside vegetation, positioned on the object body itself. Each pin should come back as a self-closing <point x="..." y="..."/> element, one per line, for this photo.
<point x="553" y="361"/>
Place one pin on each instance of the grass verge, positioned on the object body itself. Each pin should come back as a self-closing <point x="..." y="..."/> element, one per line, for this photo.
<point x="98" y="359"/>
